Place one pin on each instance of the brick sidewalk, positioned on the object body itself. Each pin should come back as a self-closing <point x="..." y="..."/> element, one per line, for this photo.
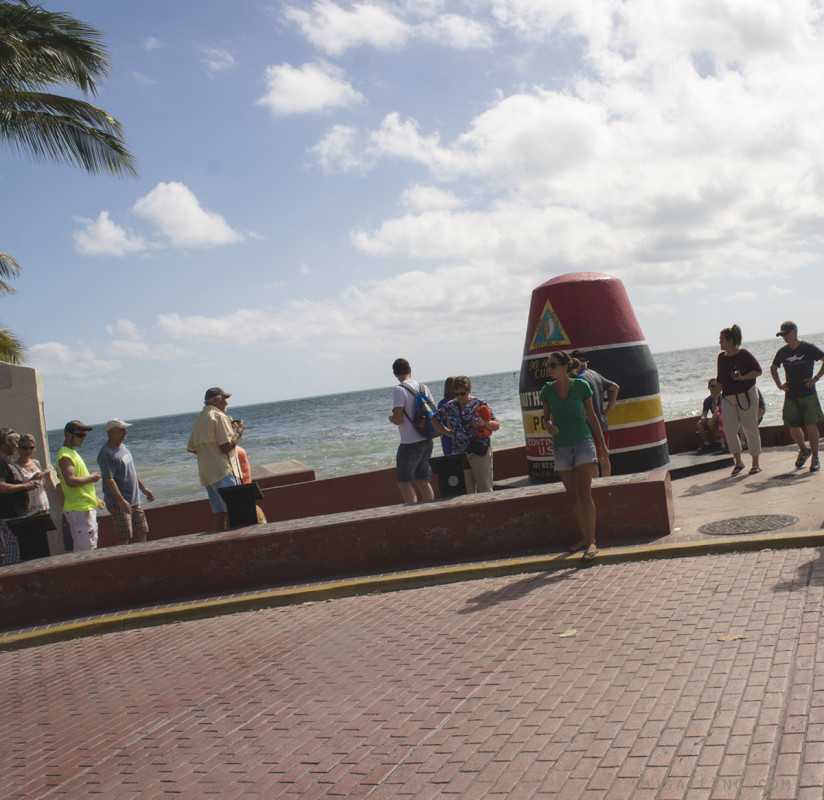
<point x="689" y="678"/>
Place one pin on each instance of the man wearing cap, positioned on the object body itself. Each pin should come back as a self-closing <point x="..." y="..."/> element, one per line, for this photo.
<point x="600" y="386"/>
<point x="801" y="407"/>
<point x="122" y="486"/>
<point x="13" y="496"/>
<point x="80" y="501"/>
<point x="215" y="442"/>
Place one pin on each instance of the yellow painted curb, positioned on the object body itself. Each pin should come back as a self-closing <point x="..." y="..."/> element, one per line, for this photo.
<point x="403" y="580"/>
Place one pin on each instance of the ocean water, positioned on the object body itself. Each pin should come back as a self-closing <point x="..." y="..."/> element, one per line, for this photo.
<point x="340" y="434"/>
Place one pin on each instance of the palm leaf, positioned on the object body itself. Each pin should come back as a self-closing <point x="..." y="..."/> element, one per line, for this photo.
<point x="50" y="127"/>
<point x="39" y="48"/>
<point x="12" y="350"/>
<point x="9" y="268"/>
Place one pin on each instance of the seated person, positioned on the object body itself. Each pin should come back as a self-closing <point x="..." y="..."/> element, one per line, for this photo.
<point x="708" y="422"/>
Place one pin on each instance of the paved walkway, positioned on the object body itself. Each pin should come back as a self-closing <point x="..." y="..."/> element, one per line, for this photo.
<point x="692" y="677"/>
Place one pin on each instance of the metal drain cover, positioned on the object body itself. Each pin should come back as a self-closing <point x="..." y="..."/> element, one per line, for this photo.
<point x="756" y="524"/>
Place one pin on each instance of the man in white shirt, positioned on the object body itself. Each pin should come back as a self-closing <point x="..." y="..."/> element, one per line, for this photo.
<point x="412" y="461"/>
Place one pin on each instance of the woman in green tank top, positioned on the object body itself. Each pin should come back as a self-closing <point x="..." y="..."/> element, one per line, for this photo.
<point x="567" y="403"/>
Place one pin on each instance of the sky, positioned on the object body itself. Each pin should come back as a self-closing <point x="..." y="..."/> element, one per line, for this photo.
<point x="325" y="186"/>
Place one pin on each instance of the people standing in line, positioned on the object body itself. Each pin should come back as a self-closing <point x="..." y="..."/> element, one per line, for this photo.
<point x="601" y="387"/>
<point x="14" y="496"/>
<point x="122" y="486"/>
<point x="80" y="502"/>
<point x="470" y="422"/>
<point x="412" y="471"/>
<point x="571" y="421"/>
<point x="802" y="409"/>
<point x="737" y="370"/>
<point x="215" y="443"/>
<point x="29" y="468"/>
<point x="448" y="394"/>
<point x="710" y="420"/>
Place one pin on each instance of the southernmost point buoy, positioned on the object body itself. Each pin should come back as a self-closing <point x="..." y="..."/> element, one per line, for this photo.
<point x="591" y="311"/>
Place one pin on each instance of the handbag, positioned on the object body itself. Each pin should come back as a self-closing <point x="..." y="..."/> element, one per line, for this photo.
<point x="479" y="447"/>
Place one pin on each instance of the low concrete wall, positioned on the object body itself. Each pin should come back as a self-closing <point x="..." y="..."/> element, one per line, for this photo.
<point x="196" y="515"/>
<point x="502" y="524"/>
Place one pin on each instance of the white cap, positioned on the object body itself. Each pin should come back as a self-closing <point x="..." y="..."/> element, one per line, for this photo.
<point x="117" y="423"/>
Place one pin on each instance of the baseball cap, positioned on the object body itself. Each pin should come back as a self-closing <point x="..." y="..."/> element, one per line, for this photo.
<point x="579" y="354"/>
<point x="117" y="423"/>
<point x="215" y="391"/>
<point x="76" y="425"/>
<point x="786" y="327"/>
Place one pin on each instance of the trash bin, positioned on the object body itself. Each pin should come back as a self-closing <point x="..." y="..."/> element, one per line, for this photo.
<point x="450" y="472"/>
<point x="240" y="503"/>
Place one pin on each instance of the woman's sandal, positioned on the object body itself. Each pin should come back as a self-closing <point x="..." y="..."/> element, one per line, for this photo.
<point x="736" y="469"/>
<point x="576" y="548"/>
<point x="590" y="554"/>
<point x="755" y="470"/>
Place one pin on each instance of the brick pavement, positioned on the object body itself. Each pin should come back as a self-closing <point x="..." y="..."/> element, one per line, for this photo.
<point x="690" y="678"/>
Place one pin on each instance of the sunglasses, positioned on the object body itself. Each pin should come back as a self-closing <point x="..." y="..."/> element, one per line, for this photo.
<point x="553" y="364"/>
<point x="461" y="394"/>
<point x="81" y="434"/>
<point x="25" y="447"/>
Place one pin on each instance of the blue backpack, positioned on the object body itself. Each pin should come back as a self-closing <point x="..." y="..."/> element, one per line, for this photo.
<point x="424" y="409"/>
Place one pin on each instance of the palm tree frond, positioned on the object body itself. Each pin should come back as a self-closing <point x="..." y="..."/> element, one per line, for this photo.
<point x="64" y="130"/>
<point x="12" y="350"/>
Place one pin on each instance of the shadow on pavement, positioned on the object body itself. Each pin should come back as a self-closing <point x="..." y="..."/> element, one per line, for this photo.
<point x="515" y="591"/>
<point x="809" y="574"/>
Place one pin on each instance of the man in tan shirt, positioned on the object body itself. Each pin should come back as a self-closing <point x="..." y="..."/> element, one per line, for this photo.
<point x="215" y="443"/>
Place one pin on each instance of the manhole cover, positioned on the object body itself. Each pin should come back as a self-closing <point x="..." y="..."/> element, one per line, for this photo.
<point x="757" y="524"/>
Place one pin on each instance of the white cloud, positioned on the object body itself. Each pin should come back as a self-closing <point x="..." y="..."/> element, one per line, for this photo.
<point x="684" y="149"/>
<point x="454" y="31"/>
<point x="125" y="329"/>
<point x="308" y="88"/>
<point x="340" y="150"/>
<point x="334" y="30"/>
<point x="152" y="43"/>
<point x="177" y="213"/>
<point x="303" y="269"/>
<point x="217" y="59"/>
<point x="76" y="364"/>
<point x="128" y="341"/>
<point x="102" y="237"/>
<point x="429" y="198"/>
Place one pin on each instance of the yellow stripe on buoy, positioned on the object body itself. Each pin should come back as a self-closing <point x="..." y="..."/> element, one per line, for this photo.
<point x="638" y="411"/>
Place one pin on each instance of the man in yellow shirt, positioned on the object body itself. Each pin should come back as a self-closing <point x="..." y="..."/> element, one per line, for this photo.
<point x="80" y="500"/>
<point x="215" y="443"/>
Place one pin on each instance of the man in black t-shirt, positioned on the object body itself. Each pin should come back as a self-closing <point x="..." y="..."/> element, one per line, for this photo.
<point x="801" y="407"/>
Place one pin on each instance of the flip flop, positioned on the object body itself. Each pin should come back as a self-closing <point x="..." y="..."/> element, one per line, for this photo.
<point x="588" y="556"/>
<point x="577" y="548"/>
<point x="736" y="469"/>
<point x="755" y="470"/>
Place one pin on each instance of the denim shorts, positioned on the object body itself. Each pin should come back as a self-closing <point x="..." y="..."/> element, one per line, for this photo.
<point x="215" y="500"/>
<point x="412" y="462"/>
<point x="567" y="458"/>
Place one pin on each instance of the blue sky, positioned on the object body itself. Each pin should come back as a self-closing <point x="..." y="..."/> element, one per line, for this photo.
<point x="325" y="186"/>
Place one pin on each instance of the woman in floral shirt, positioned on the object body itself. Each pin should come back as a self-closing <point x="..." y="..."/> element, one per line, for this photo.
<point x="470" y="422"/>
